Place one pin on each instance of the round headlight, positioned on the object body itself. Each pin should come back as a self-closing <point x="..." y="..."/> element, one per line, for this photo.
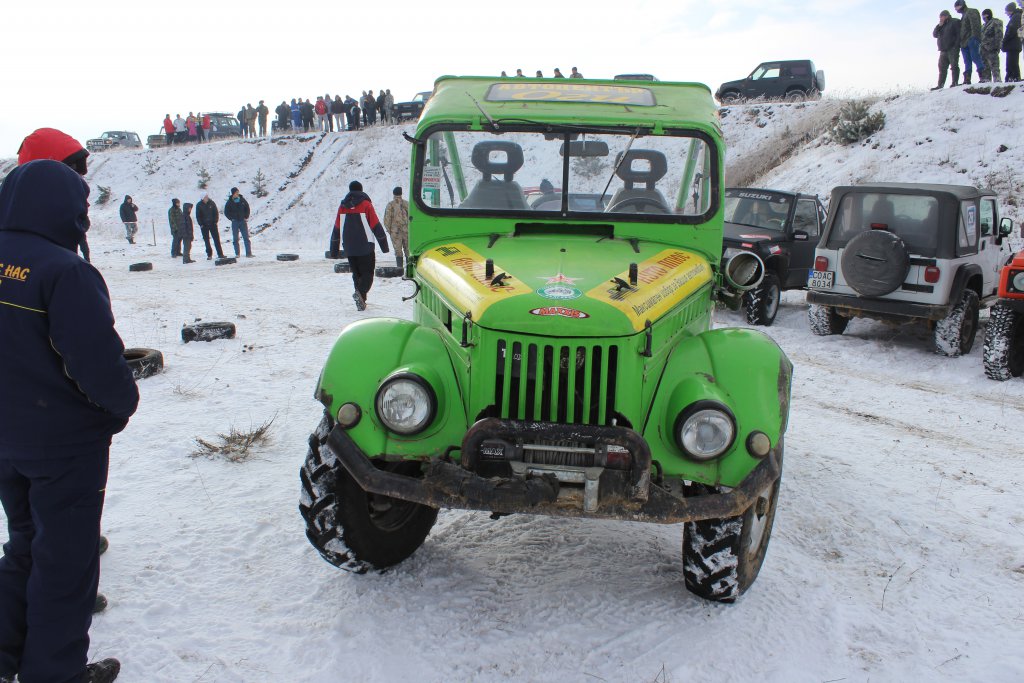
<point x="705" y="430"/>
<point x="406" y="404"/>
<point x="1017" y="281"/>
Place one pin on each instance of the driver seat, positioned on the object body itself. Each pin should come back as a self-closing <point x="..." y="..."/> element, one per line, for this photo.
<point x="648" y="177"/>
<point x="497" y="195"/>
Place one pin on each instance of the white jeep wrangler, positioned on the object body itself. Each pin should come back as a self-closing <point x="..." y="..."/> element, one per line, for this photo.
<point x="905" y="251"/>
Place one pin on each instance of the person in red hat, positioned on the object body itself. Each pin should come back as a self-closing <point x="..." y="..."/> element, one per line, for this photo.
<point x="58" y="345"/>
<point x="50" y="143"/>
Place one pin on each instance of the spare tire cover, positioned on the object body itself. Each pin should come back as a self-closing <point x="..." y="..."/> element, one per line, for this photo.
<point x="875" y="262"/>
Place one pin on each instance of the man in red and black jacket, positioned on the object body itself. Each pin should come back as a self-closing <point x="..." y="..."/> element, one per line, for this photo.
<point x="74" y="391"/>
<point x="361" y="227"/>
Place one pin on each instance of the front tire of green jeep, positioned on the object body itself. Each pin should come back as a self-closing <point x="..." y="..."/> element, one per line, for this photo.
<point x="722" y="557"/>
<point x="1004" y="344"/>
<point x="824" y="320"/>
<point x="954" y="334"/>
<point x="762" y="302"/>
<point x="350" y="528"/>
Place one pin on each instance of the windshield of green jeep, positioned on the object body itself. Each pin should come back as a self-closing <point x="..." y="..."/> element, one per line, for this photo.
<point x="757" y="209"/>
<point x="568" y="174"/>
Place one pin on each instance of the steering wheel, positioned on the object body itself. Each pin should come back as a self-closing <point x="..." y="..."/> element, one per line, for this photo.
<point x="775" y="223"/>
<point x="639" y="202"/>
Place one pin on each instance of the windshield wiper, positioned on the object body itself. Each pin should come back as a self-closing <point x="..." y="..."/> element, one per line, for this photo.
<point x="482" y="111"/>
<point x="615" y="170"/>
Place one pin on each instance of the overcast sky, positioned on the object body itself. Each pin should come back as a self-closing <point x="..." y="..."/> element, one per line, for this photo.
<point x="117" y="64"/>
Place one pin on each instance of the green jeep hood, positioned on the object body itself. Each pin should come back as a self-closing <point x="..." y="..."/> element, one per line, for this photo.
<point x="563" y="284"/>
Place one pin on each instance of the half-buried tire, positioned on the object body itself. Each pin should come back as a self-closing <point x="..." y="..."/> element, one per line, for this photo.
<point x="389" y="271"/>
<point x="140" y="267"/>
<point x="225" y="261"/>
<point x="875" y="262"/>
<point x="144" y="362"/>
<point x="287" y="257"/>
<point x="207" y="331"/>
<point x="342" y="267"/>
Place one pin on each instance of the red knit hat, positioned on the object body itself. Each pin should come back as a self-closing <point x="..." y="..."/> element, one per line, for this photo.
<point x="50" y="143"/>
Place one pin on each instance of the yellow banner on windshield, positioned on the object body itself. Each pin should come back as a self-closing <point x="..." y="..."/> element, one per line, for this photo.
<point x="460" y="274"/>
<point x="663" y="281"/>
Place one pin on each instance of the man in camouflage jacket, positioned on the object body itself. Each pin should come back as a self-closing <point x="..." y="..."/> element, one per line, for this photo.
<point x="991" y="41"/>
<point x="970" y="39"/>
<point x="396" y="220"/>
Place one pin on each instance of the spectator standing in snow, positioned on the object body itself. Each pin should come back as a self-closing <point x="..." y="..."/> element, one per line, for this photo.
<point x="351" y="113"/>
<point x="970" y="39"/>
<point x="947" y="36"/>
<point x="180" y="129"/>
<point x="236" y="210"/>
<point x="338" y="112"/>
<point x="575" y="73"/>
<point x="328" y="118"/>
<point x="389" y="105"/>
<point x="174" y="220"/>
<point x="361" y="227"/>
<point x="208" y="217"/>
<point x="283" y="113"/>
<point x="193" y="129"/>
<point x="320" y="108"/>
<point x="991" y="38"/>
<point x="1012" y="43"/>
<point x="307" y="115"/>
<point x="296" y="113"/>
<point x="58" y="346"/>
<point x="558" y="73"/>
<point x="207" y="125"/>
<point x="396" y="220"/>
<point x="262" y="112"/>
<point x="250" y="119"/>
<point x="241" y="122"/>
<point x="169" y="129"/>
<point x="188" y="234"/>
<point x="382" y="109"/>
<point x="519" y="73"/>
<point x="130" y="218"/>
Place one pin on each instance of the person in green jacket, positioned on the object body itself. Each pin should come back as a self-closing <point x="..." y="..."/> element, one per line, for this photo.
<point x="970" y="39"/>
<point x="174" y="218"/>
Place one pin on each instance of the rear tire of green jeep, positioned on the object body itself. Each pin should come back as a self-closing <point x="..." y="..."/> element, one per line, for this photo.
<point x="954" y="334"/>
<point x="824" y="320"/>
<point x="762" y="302"/>
<point x="350" y="528"/>
<point x="722" y="557"/>
<point x="1004" y="344"/>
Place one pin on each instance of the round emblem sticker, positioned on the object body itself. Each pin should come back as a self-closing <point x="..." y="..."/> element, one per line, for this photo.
<point x="560" y="292"/>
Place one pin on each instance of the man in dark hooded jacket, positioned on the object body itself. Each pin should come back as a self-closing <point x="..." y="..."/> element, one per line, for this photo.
<point x="236" y="210"/>
<point x="188" y="234"/>
<point x="174" y="221"/>
<point x="130" y="218"/>
<point x="70" y="392"/>
<point x="208" y="217"/>
<point x="947" y="36"/>
<point x="360" y="229"/>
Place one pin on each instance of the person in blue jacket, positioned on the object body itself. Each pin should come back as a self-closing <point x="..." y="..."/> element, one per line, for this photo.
<point x="296" y="115"/>
<point x="72" y="391"/>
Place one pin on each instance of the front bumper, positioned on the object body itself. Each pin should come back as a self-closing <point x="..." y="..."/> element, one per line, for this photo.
<point x="449" y="485"/>
<point x="879" y="308"/>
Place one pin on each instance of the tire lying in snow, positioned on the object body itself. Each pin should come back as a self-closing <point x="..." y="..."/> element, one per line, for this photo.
<point x="287" y="257"/>
<point x="1004" y="343"/>
<point x="954" y="334"/>
<point x="225" y="261"/>
<point x="140" y="267"/>
<point x="350" y="528"/>
<point x="144" y="362"/>
<point x="875" y="262"/>
<point x="389" y="271"/>
<point x="207" y="331"/>
<point x="722" y="557"/>
<point x="342" y="267"/>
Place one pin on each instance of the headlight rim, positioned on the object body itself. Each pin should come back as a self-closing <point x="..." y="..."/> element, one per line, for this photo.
<point x="692" y="409"/>
<point x="416" y="379"/>
<point x="1012" y="280"/>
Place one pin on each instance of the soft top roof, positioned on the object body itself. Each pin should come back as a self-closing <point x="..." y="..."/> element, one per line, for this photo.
<point x="958" y="191"/>
<point x="551" y="100"/>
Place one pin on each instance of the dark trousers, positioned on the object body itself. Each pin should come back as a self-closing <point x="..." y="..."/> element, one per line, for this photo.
<point x="186" y="249"/>
<point x="51" y="565"/>
<point x="1013" y="66"/>
<point x="362" y="272"/>
<point x="175" y="244"/>
<point x="208" y="234"/>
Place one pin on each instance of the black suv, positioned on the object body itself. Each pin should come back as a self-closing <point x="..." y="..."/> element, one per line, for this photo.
<point x="411" y="110"/>
<point x="794" y="80"/>
<point x="780" y="227"/>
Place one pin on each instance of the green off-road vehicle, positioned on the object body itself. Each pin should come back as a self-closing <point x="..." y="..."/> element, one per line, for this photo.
<point x="561" y="359"/>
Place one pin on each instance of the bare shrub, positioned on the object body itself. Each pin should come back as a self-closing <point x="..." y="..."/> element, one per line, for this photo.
<point x="237" y="445"/>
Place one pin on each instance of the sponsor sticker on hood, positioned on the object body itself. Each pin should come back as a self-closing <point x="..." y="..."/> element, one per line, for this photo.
<point x="559" y="311"/>
<point x="460" y="273"/>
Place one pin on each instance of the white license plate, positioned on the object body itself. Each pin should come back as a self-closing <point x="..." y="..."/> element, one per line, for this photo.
<point x="820" y="279"/>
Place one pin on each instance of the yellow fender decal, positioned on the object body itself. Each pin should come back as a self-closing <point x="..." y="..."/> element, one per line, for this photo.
<point x="459" y="273"/>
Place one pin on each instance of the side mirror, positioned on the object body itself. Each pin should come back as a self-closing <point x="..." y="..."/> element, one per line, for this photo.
<point x="1005" y="227"/>
<point x="800" y="235"/>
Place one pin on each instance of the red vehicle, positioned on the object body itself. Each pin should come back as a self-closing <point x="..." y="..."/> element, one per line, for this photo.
<point x="1004" y="340"/>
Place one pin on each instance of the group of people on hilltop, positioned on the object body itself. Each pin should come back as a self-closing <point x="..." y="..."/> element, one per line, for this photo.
<point x="194" y="128"/>
<point x="540" y="74"/>
<point x="329" y="114"/>
<point x="249" y="116"/>
<point x="179" y="218"/>
<point x="978" y="37"/>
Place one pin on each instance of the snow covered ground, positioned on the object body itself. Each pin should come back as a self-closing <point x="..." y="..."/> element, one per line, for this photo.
<point x="898" y="551"/>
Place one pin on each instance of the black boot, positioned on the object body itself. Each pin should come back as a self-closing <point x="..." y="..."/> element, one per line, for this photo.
<point x="942" y="81"/>
<point x="101" y="603"/>
<point x="956" y="78"/>
<point x="967" y="78"/>
<point x="104" y="671"/>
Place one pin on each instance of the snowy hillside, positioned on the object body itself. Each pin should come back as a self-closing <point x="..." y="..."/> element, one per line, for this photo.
<point x="898" y="549"/>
